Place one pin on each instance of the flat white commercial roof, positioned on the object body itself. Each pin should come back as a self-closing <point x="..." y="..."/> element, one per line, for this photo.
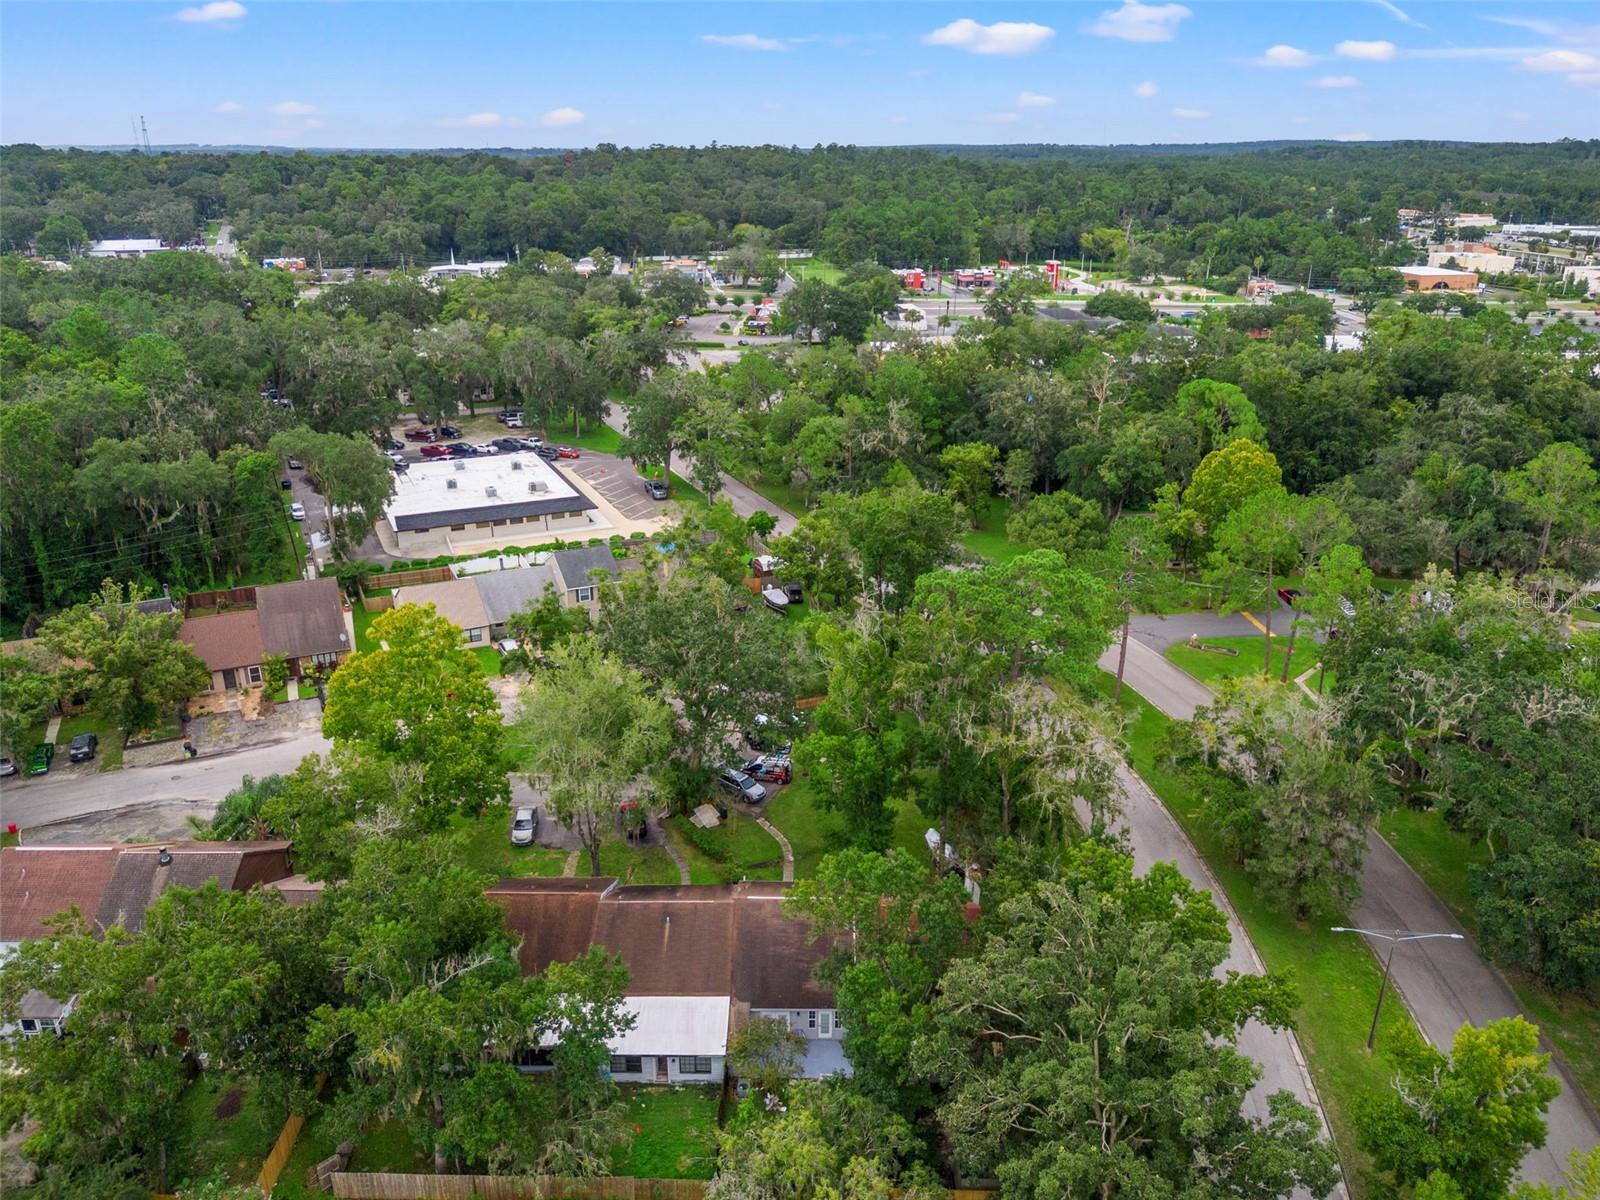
<point x="125" y="246"/>
<point x="488" y="481"/>
<point x="1434" y="271"/>
<point x="674" y="1025"/>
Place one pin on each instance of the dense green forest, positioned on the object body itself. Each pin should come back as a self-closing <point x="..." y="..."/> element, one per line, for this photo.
<point x="1312" y="208"/>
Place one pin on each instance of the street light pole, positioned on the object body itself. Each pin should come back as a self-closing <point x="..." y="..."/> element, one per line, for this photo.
<point x="1394" y="937"/>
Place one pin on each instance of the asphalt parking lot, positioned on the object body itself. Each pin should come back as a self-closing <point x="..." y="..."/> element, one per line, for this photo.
<point x="618" y="484"/>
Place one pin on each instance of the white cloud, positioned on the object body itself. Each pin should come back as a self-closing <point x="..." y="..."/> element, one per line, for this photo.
<point x="229" y="106"/>
<point x="293" y="108"/>
<point x="1352" y="137"/>
<point x="1564" y="61"/>
<point x="1585" y="79"/>
<point x="742" y="41"/>
<point x="1284" y="56"/>
<point x="1135" y="22"/>
<point x="481" y="120"/>
<point x="1146" y="89"/>
<point x="1003" y="37"/>
<point x="217" y="10"/>
<point x="1336" y="81"/>
<point x="558" y="117"/>
<point x="1034" y="100"/>
<point x="1399" y="14"/>
<point x="1191" y="114"/>
<point x="1367" y="51"/>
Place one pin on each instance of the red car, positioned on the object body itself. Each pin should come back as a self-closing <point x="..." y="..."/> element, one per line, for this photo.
<point x="419" y="435"/>
<point x="435" y="451"/>
<point x="771" y="768"/>
<point x="566" y="452"/>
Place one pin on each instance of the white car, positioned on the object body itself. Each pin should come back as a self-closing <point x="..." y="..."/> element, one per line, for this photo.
<point x="487" y="448"/>
<point x="297" y="511"/>
<point x="524" y="825"/>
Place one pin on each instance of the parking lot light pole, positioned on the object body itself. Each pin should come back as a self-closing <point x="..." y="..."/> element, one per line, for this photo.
<point x="1394" y="937"/>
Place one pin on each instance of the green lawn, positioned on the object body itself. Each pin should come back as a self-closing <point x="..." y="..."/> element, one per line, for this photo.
<point x="674" y="1133"/>
<point x="386" y="1146"/>
<point x="362" y="619"/>
<point x="1336" y="975"/>
<point x="632" y="864"/>
<point x="989" y="539"/>
<point x="910" y="828"/>
<point x="598" y="436"/>
<point x="814" y="268"/>
<point x="1209" y="667"/>
<point x="489" y="848"/>
<point x="109" y="754"/>
<point x="235" y="1145"/>
<point x="812" y="830"/>
<point x="1444" y="858"/>
<point x="488" y="659"/>
<point x="736" y="849"/>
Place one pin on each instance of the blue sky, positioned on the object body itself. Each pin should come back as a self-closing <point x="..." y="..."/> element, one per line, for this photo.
<point x="574" y="74"/>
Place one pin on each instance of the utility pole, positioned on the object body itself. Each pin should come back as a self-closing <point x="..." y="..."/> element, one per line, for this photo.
<point x="1394" y="937"/>
<point x="144" y="134"/>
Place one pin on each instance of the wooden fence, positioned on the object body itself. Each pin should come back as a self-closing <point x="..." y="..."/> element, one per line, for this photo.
<point x="376" y="604"/>
<point x="220" y="599"/>
<point x="364" y="1186"/>
<point x="394" y="579"/>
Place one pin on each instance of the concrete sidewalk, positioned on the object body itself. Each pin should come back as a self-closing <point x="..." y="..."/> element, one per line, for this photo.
<point x="1444" y="984"/>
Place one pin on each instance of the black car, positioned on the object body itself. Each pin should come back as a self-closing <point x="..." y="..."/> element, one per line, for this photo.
<point x="655" y="489"/>
<point x="548" y="453"/>
<point x="449" y="431"/>
<point x="508" y="444"/>
<point x="793" y="591"/>
<point x="82" y="748"/>
<point x="389" y="443"/>
<point x="461" y="448"/>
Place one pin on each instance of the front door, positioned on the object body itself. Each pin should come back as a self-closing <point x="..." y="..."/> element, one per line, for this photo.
<point x="661" y="1068"/>
<point x="825" y="1023"/>
<point x="230" y="679"/>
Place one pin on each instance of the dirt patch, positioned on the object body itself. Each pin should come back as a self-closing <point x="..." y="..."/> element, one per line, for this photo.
<point x="230" y="1104"/>
<point x="253" y="703"/>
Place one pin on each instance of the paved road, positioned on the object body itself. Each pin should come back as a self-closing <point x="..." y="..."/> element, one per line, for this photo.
<point x="1159" y="632"/>
<point x="1445" y="984"/>
<point x="224" y="246"/>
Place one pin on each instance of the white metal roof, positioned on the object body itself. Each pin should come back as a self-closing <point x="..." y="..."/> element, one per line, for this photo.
<point x="675" y="1025"/>
<point x="426" y="487"/>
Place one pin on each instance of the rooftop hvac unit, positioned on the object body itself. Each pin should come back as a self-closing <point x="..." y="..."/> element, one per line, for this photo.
<point x="460" y="465"/>
<point x="516" y="464"/>
<point x="538" y="485"/>
<point x="451" y="484"/>
<point x="490" y="491"/>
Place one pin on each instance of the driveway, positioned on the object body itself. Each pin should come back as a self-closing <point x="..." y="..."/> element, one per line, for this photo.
<point x="1445" y="984"/>
<point x="617" y="483"/>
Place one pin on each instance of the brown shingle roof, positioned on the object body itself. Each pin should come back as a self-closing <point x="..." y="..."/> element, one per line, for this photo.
<point x="456" y="600"/>
<point x="116" y="884"/>
<point x="302" y="618"/>
<point x="225" y="640"/>
<point x="37" y="882"/>
<point x="724" y="940"/>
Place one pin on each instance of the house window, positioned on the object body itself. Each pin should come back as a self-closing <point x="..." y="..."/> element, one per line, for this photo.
<point x="627" y="1064"/>
<point x="29" y="1025"/>
<point x="473" y="635"/>
<point x="516" y="520"/>
<point x="326" y="660"/>
<point x="838" y="1022"/>
<point x="584" y="594"/>
<point x="533" y="1056"/>
<point x="693" y="1065"/>
<point x="457" y="528"/>
<point x="485" y="524"/>
<point x="811" y="1019"/>
<point x="253" y="674"/>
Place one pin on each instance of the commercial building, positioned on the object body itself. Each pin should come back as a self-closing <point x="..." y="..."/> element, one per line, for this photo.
<point x="456" y="506"/>
<point x="1472" y="256"/>
<point x="1438" y="279"/>
<point x="125" y="247"/>
<point x="702" y="962"/>
<point x="455" y="270"/>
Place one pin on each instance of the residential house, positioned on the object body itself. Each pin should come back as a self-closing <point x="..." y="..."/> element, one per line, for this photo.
<point x="456" y="600"/>
<point x="303" y="621"/>
<point x="581" y="572"/>
<point x="111" y="885"/>
<point x="506" y="593"/>
<point x="702" y="962"/>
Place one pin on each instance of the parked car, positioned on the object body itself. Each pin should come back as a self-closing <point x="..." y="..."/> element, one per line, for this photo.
<point x="297" y="511"/>
<point x="548" y="453"/>
<point x="508" y="645"/>
<point x="286" y="483"/>
<point x="794" y="592"/>
<point x="449" y="431"/>
<point x="770" y="734"/>
<point x="41" y="758"/>
<point x="508" y="445"/>
<point x="567" y="452"/>
<point x="524" y="826"/>
<point x="461" y="448"/>
<point x="486" y="447"/>
<point x="743" y="342"/>
<point x="773" y="768"/>
<point x="1289" y="595"/>
<point x="436" y="450"/>
<point x="655" y="489"/>
<point x="387" y="443"/>
<point x="529" y="443"/>
<point x="83" y="747"/>
<point x="509" y="414"/>
<point x="271" y="393"/>
<point x="394" y="456"/>
<point x="513" y="421"/>
<point x="741" y="785"/>
<point x="420" y="435"/>
<point x="296" y="465"/>
<point x="8" y="768"/>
